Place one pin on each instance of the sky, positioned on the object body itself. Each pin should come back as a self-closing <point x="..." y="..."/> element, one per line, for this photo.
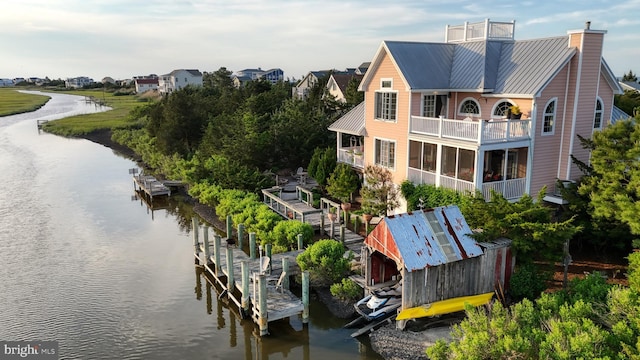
<point x="126" y="38"/>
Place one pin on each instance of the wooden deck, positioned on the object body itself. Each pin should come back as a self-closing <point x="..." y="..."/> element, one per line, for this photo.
<point x="150" y="185"/>
<point x="298" y="207"/>
<point x="243" y="279"/>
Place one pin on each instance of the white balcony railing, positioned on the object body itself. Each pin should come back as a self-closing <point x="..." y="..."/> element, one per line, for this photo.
<point x="510" y="189"/>
<point x="480" y="132"/>
<point x="353" y="156"/>
<point x="485" y="30"/>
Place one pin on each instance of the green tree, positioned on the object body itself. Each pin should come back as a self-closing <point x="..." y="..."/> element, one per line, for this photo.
<point x="629" y="102"/>
<point x="342" y="182"/>
<point x="613" y="175"/>
<point x="630" y="76"/>
<point x="427" y="196"/>
<point x="527" y="222"/>
<point x="352" y="95"/>
<point x="326" y="262"/>
<point x="379" y="193"/>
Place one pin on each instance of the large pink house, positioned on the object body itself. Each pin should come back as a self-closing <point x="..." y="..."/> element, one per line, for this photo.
<point x="443" y="113"/>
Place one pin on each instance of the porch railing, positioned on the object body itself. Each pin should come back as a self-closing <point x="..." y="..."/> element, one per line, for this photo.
<point x="510" y="189"/>
<point x="353" y="156"/>
<point x="480" y="132"/>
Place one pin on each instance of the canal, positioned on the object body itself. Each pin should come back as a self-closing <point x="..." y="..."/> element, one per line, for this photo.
<point x="85" y="263"/>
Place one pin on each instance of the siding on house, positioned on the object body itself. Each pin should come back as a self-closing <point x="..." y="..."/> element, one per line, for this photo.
<point x="388" y="130"/>
<point x="546" y="148"/>
<point x="591" y="53"/>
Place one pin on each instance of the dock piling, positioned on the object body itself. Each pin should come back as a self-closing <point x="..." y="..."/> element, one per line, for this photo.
<point x="246" y="309"/>
<point x="205" y="244"/>
<point x="252" y="245"/>
<point x="216" y="254"/>
<point x="240" y="235"/>
<point x="230" y="277"/>
<point x="268" y="251"/>
<point x="262" y="305"/>
<point x="300" y="243"/>
<point x="229" y="228"/>
<point x="305" y="297"/>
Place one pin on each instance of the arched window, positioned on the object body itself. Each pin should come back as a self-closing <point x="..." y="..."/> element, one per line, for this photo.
<point x="597" y="117"/>
<point x="502" y="109"/>
<point x="549" y="117"/>
<point x="470" y="107"/>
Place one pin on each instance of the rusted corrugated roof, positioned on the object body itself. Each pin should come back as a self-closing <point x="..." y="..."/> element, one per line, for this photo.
<point x="413" y="241"/>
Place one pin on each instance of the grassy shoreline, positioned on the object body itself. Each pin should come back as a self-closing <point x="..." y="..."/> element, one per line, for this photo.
<point x="116" y="118"/>
<point x="13" y="102"/>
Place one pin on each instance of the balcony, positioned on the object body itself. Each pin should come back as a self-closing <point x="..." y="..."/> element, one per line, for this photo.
<point x="511" y="189"/>
<point x="485" y="30"/>
<point x="479" y="132"/>
<point x="353" y="156"/>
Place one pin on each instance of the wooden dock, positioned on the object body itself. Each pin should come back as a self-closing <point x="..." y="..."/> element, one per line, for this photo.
<point x="150" y="186"/>
<point x="258" y="285"/>
<point x="299" y="208"/>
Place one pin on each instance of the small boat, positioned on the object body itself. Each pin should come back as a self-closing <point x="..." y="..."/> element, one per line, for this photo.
<point x="444" y="307"/>
<point x="381" y="303"/>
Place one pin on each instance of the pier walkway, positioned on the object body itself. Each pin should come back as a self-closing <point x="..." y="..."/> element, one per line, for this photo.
<point x="150" y="185"/>
<point x="298" y="206"/>
<point x="257" y="283"/>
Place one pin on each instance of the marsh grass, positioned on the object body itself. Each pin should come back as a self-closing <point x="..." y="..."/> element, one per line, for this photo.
<point x="116" y="118"/>
<point x="14" y="102"/>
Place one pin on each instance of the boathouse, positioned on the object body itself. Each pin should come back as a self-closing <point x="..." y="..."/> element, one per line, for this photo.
<point x="433" y="253"/>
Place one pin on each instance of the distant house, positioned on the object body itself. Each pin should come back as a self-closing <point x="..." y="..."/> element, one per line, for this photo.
<point x="146" y="84"/>
<point x="6" y="82"/>
<point x="302" y="88"/>
<point x="630" y="86"/>
<point x="177" y="79"/>
<point x="108" y="79"/>
<point x="445" y="113"/>
<point x="337" y="84"/>
<point x="78" y="82"/>
<point x="241" y="77"/>
<point x="432" y="253"/>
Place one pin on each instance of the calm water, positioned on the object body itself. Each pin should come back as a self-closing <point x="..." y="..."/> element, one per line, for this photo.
<point x="84" y="264"/>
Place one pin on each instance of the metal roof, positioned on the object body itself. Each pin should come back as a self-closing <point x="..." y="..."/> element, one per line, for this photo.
<point x="424" y="65"/>
<point x="410" y="240"/>
<point x="526" y="66"/>
<point x="507" y="67"/>
<point x="618" y="114"/>
<point x="352" y="122"/>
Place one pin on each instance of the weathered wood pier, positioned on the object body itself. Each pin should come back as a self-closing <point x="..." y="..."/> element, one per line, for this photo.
<point x="262" y="290"/>
<point x="150" y="185"/>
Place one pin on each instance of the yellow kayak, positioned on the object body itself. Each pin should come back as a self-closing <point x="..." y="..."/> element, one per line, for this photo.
<point x="444" y="306"/>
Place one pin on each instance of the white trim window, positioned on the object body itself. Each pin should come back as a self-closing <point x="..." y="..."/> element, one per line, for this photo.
<point x="597" y="116"/>
<point x="385" y="153"/>
<point x="549" y="117"/>
<point x="434" y="105"/>
<point x="470" y="107"/>
<point x="386" y="101"/>
<point x="501" y="109"/>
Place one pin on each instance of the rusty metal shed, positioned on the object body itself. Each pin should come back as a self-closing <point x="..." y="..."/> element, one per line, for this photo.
<point x="433" y="253"/>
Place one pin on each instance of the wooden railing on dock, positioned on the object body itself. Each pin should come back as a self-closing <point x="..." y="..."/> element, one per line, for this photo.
<point x="292" y="209"/>
<point x="263" y="288"/>
<point x="151" y="186"/>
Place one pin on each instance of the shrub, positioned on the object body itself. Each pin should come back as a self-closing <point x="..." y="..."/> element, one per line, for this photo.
<point x="342" y="182"/>
<point x="326" y="262"/>
<point x="346" y="290"/>
<point x="527" y="282"/>
<point x="284" y="235"/>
